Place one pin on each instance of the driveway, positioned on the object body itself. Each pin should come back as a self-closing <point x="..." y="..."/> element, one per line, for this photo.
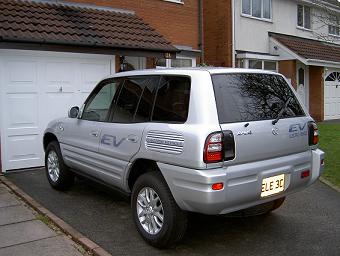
<point x="308" y="223"/>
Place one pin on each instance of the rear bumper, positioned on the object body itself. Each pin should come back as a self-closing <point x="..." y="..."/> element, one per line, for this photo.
<point x="242" y="183"/>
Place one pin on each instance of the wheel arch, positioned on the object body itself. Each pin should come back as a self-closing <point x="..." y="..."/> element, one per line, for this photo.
<point x="49" y="137"/>
<point x="138" y="168"/>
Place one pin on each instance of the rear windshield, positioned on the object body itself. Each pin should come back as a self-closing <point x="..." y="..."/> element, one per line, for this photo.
<point x="253" y="97"/>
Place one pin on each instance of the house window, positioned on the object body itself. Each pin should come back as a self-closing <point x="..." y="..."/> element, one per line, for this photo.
<point x="180" y="62"/>
<point x="262" y="64"/>
<point x="334" y="27"/>
<point x="303" y="16"/>
<point x="257" y="8"/>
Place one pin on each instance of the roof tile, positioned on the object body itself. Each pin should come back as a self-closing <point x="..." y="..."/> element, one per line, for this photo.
<point x="309" y="48"/>
<point x="63" y="24"/>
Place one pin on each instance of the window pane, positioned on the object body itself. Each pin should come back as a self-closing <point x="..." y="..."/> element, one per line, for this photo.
<point x="150" y="85"/>
<point x="269" y="65"/>
<point x="127" y="101"/>
<point x="172" y="102"/>
<point x="300" y="15"/>
<point x="98" y="106"/>
<point x="246" y="7"/>
<point x="252" y="97"/>
<point x="257" y="64"/>
<point x="307" y="17"/>
<point x="256" y="9"/>
<point x="267" y="9"/>
<point x="161" y="63"/>
<point x="181" y="63"/>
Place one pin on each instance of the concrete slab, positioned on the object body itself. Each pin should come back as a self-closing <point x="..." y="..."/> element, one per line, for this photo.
<point x="3" y="189"/>
<point x="55" y="246"/>
<point x="7" y="199"/>
<point x="14" y="214"/>
<point x="24" y="232"/>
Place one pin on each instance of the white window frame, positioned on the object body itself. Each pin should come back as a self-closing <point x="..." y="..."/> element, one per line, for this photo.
<point x="246" y="64"/>
<point x="336" y="25"/>
<point x="303" y="17"/>
<point x="168" y="61"/>
<point x="262" y="11"/>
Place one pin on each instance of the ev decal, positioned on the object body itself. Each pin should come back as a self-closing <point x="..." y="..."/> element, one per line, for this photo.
<point x="110" y="140"/>
<point x="297" y="130"/>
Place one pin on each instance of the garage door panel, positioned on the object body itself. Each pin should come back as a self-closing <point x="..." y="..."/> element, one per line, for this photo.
<point x="60" y="77"/>
<point x="91" y="74"/>
<point x="58" y="105"/>
<point x="22" y="151"/>
<point x="20" y="76"/>
<point x="23" y="110"/>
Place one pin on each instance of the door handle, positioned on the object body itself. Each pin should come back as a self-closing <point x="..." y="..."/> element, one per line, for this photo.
<point x="132" y="138"/>
<point x="94" y="133"/>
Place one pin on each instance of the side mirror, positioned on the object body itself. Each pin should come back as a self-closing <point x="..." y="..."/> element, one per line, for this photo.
<point x="73" y="112"/>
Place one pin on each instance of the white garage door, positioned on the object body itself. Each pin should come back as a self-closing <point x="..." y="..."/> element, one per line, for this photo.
<point x="36" y="87"/>
<point x="332" y="95"/>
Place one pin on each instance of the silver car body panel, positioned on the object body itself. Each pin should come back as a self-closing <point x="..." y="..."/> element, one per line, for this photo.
<point x="107" y="151"/>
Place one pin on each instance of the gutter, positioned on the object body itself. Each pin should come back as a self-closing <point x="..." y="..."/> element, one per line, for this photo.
<point x="201" y="29"/>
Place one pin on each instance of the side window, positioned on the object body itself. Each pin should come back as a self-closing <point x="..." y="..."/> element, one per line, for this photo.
<point x="172" y="101"/>
<point x="98" y="105"/>
<point x="134" y="103"/>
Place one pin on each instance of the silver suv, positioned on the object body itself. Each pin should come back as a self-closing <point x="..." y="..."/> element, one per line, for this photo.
<point x="212" y="141"/>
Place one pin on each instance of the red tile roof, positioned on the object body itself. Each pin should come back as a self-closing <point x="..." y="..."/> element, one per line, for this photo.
<point x="309" y="48"/>
<point x="37" y="22"/>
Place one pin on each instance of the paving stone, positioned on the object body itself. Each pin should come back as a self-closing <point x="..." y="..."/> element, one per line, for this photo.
<point x="14" y="214"/>
<point x="54" y="246"/>
<point x="7" y="199"/>
<point x="24" y="232"/>
<point x="3" y="189"/>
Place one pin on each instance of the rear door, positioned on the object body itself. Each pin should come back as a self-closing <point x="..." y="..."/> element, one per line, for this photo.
<point x="120" y="138"/>
<point x="247" y="104"/>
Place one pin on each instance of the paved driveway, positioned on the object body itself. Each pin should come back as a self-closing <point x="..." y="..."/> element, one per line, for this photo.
<point x="307" y="224"/>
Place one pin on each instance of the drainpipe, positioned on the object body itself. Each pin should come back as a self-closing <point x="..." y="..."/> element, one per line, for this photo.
<point x="201" y="29"/>
<point x="233" y="32"/>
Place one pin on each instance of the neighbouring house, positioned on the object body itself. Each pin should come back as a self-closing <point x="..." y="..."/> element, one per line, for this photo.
<point x="52" y="54"/>
<point x="298" y="38"/>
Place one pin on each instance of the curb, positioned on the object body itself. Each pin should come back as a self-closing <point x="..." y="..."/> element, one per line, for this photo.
<point x="76" y="236"/>
<point x="331" y="185"/>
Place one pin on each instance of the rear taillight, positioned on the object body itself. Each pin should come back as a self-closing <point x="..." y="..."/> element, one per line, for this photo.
<point x="219" y="146"/>
<point x="313" y="134"/>
<point x="213" y="148"/>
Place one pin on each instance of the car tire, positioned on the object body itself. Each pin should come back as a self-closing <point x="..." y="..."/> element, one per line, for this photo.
<point x="158" y="233"/>
<point x="58" y="174"/>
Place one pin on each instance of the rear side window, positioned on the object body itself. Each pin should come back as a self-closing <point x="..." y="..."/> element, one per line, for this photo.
<point x="172" y="100"/>
<point x="253" y="97"/>
<point x="134" y="103"/>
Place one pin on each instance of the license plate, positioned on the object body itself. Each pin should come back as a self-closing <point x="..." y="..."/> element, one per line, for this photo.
<point x="273" y="185"/>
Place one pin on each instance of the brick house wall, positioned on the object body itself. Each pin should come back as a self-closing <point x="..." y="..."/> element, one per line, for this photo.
<point x="179" y="23"/>
<point x="217" y="23"/>
<point x="288" y="69"/>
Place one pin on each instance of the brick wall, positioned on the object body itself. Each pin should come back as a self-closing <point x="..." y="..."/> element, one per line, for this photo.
<point x="179" y="23"/>
<point x="288" y="69"/>
<point x="217" y="20"/>
<point x="316" y="92"/>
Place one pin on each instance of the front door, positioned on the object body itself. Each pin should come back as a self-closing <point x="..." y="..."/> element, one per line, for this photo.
<point x="302" y="83"/>
<point x="80" y="137"/>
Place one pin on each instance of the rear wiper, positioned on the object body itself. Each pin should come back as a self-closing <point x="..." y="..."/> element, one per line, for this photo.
<point x="282" y="111"/>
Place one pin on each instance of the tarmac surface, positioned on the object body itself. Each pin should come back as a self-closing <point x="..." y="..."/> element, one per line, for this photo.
<point x="23" y="234"/>
<point x="308" y="223"/>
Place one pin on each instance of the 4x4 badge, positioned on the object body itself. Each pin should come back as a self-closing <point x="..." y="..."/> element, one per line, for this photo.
<point x="275" y="131"/>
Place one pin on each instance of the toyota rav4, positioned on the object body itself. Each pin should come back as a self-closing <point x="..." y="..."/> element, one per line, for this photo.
<point x="206" y="140"/>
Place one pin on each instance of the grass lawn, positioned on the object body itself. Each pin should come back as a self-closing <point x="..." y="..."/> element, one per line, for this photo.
<point x="330" y="143"/>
